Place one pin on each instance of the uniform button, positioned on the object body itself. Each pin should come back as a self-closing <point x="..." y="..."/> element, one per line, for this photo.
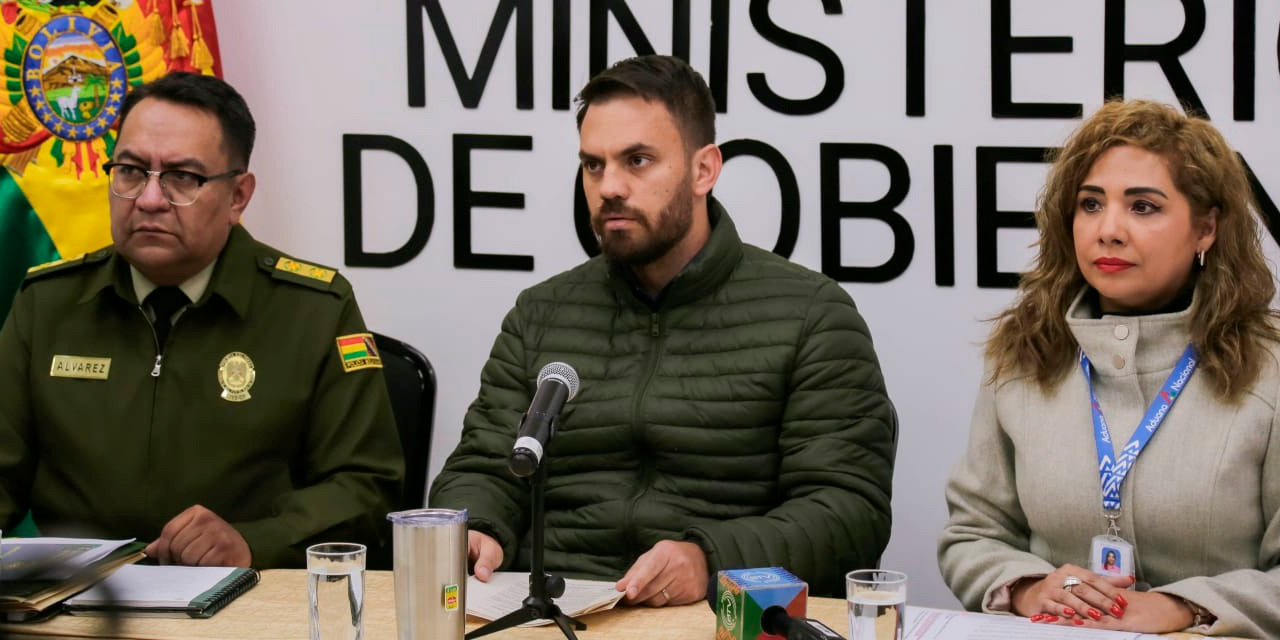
<point x="1118" y="361"/>
<point x="268" y="261"/>
<point x="1122" y="332"/>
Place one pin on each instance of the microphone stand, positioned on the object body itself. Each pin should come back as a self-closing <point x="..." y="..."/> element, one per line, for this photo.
<point x="543" y="587"/>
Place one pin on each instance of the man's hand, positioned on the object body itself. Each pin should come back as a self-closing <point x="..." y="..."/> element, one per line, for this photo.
<point x="198" y="537"/>
<point x="484" y="554"/>
<point x="670" y="573"/>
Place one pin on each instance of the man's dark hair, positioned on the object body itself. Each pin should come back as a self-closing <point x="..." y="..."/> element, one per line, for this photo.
<point x="206" y="93"/>
<point x="665" y="79"/>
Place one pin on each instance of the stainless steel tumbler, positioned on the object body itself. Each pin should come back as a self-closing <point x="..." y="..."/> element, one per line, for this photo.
<point x="430" y="563"/>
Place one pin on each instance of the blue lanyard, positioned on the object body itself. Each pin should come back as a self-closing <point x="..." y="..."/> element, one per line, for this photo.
<point x="1113" y="472"/>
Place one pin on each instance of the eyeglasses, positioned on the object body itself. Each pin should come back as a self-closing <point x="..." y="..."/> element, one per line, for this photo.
<point x="179" y="187"/>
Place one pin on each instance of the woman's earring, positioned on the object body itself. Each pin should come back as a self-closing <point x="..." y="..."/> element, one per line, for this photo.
<point x="1201" y="256"/>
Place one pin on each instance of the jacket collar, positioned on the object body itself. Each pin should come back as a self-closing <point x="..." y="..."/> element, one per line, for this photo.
<point x="1120" y="345"/>
<point x="709" y="269"/>
<point x="232" y="277"/>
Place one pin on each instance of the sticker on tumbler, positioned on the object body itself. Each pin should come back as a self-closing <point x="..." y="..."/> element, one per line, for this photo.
<point x="451" y="597"/>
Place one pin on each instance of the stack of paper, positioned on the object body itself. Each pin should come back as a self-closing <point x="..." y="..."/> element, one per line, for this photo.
<point x="506" y="590"/>
<point x="37" y="573"/>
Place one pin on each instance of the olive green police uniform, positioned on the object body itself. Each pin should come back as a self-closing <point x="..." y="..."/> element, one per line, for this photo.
<point x="268" y="406"/>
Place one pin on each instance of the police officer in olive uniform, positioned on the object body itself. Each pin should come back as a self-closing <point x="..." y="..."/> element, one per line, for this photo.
<point x="190" y="386"/>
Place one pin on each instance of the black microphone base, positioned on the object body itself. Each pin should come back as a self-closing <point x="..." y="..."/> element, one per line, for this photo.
<point x="533" y="609"/>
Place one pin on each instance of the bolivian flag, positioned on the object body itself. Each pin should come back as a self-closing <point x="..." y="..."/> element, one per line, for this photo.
<point x="358" y="351"/>
<point x="68" y="65"/>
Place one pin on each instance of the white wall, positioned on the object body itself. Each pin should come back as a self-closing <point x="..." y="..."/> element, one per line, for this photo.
<point x="314" y="70"/>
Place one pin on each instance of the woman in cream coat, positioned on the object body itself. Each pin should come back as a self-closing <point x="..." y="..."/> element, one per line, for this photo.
<point x="1149" y="243"/>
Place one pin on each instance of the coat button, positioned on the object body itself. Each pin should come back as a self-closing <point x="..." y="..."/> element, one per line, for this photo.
<point x="1118" y="361"/>
<point x="268" y="262"/>
<point x="1122" y="332"/>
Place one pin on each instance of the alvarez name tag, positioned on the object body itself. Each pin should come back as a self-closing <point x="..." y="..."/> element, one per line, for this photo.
<point x="80" y="367"/>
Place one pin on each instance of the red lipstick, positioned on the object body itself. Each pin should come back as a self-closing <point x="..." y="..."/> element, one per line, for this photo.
<point x="1112" y="265"/>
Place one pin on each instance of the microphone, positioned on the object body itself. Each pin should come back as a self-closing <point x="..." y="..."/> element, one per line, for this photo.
<point x="557" y="384"/>
<point x="776" y="621"/>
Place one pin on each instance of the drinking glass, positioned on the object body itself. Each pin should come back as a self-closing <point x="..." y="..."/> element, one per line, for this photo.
<point x="335" y="590"/>
<point x="877" y="602"/>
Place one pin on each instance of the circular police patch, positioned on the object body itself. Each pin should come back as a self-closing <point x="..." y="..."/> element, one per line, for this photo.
<point x="236" y="375"/>
<point x="74" y="78"/>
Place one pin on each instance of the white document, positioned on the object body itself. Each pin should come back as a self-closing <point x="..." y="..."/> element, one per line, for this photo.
<point x="938" y="624"/>
<point x="152" y="586"/>
<point x="506" y="590"/>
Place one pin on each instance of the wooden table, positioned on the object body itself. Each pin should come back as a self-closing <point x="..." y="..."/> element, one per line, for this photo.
<point x="276" y="609"/>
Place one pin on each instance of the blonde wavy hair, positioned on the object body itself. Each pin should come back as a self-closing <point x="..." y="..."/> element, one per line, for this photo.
<point x="1231" y="316"/>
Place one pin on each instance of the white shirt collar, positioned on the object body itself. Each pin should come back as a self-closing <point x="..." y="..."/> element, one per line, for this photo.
<point x="194" y="286"/>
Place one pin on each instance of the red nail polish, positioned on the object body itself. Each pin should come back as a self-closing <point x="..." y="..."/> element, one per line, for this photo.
<point x="1037" y="617"/>
<point x="1117" y="611"/>
<point x="1068" y="612"/>
<point x="1077" y="621"/>
<point x="1094" y="613"/>
<point x="1121" y="601"/>
<point x="1051" y="618"/>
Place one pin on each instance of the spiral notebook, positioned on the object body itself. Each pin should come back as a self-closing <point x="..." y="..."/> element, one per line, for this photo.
<point x="164" y="591"/>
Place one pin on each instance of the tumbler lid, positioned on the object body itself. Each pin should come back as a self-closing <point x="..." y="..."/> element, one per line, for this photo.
<point x="428" y="517"/>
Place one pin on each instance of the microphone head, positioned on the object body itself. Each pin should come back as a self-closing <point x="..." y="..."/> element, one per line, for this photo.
<point x="562" y="373"/>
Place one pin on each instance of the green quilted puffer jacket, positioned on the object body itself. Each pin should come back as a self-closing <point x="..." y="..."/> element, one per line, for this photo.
<point x="745" y="412"/>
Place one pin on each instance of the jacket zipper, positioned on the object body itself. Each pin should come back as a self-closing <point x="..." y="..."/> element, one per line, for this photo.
<point x="155" y="339"/>
<point x="637" y="427"/>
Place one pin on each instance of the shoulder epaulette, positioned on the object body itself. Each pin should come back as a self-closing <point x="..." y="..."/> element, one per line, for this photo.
<point x="56" y="266"/>
<point x="307" y="275"/>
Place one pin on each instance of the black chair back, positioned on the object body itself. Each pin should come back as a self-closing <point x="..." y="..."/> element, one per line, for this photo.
<point x="411" y="382"/>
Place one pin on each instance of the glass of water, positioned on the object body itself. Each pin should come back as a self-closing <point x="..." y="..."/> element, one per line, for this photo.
<point x="877" y="602"/>
<point x="335" y="590"/>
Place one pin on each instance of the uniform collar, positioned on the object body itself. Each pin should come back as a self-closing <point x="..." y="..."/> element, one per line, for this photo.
<point x="193" y="287"/>
<point x="230" y="277"/>
<point x="705" y="272"/>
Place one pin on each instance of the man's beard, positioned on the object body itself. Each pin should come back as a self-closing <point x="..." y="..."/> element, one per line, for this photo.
<point x="639" y="247"/>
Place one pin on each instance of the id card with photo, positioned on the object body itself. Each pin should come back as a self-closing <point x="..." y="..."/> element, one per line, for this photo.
<point x="1112" y="556"/>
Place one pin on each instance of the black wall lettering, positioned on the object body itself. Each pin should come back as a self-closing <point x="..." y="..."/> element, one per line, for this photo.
<point x="470" y="88"/>
<point x="1243" y="67"/>
<point x="831" y="66"/>
<point x="788" y="188"/>
<point x="1003" y="46"/>
<point x="991" y="219"/>
<point x="598" y="53"/>
<point x="464" y="200"/>
<point x="560" y="49"/>
<point x="1266" y="206"/>
<point x="719" y="75"/>
<point x="1116" y="52"/>
<point x="944" y="216"/>
<point x="354" y="255"/>
<point x="915" y="57"/>
<point x="582" y="218"/>
<point x="834" y="210"/>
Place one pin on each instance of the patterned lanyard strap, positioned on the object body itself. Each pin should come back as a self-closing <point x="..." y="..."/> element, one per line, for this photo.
<point x="1114" y="467"/>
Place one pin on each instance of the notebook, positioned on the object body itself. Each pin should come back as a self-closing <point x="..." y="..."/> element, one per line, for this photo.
<point x="38" y="573"/>
<point x="165" y="591"/>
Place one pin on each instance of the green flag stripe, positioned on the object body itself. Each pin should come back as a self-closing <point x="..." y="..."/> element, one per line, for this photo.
<point x="23" y="240"/>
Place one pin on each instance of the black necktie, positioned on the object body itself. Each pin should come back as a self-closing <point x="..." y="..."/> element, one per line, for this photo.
<point x="164" y="302"/>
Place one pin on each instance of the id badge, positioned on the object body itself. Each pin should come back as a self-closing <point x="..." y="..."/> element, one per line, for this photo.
<point x="1112" y="556"/>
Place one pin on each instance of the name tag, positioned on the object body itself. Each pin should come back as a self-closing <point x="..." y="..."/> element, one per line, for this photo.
<point x="80" y="367"/>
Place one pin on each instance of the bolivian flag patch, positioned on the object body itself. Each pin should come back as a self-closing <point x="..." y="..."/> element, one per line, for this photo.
<point x="358" y="351"/>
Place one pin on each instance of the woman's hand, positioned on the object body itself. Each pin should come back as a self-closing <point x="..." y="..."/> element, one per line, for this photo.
<point x="1099" y="602"/>
<point x="1095" y="598"/>
<point x="1149" y="612"/>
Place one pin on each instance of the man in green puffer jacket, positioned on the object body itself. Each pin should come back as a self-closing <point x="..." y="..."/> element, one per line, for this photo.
<point x="731" y="413"/>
